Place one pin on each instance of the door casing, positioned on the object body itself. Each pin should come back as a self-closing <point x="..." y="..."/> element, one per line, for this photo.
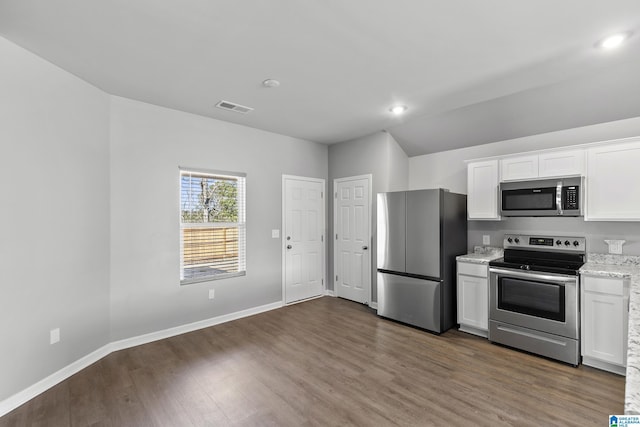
<point x="369" y="179"/>
<point x="283" y="241"/>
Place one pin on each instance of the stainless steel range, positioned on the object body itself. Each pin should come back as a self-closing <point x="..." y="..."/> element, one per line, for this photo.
<point x="534" y="295"/>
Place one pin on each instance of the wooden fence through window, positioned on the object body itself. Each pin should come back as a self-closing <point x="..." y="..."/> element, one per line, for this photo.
<point x="213" y="246"/>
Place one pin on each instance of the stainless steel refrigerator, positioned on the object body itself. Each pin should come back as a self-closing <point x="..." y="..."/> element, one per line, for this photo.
<point x="419" y="235"/>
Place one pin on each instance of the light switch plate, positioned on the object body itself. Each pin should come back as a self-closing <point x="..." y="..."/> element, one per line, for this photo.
<point x="486" y="239"/>
<point x="275" y="234"/>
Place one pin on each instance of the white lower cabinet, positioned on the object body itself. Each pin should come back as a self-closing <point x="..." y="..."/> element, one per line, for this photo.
<point x="473" y="298"/>
<point x="605" y="313"/>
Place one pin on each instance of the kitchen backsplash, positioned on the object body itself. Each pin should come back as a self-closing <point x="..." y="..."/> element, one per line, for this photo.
<point x="594" y="231"/>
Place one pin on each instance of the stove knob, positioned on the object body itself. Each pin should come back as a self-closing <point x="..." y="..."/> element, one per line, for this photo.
<point x="576" y="243"/>
<point x="567" y="243"/>
<point x="517" y="240"/>
<point x="558" y="242"/>
<point x="509" y="239"/>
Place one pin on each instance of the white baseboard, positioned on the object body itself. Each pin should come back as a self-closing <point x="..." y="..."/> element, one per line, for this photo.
<point x="475" y="331"/>
<point x="606" y="366"/>
<point x="329" y="293"/>
<point x="22" y="397"/>
<point x="373" y="305"/>
<point x="190" y="327"/>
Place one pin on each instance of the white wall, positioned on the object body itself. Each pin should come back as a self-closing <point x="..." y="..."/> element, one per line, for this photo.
<point x="89" y="226"/>
<point x="148" y="143"/>
<point x="54" y="218"/>
<point x="380" y="155"/>
<point x="448" y="169"/>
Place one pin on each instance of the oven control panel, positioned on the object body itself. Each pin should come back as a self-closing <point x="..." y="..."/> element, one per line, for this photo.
<point x="561" y="243"/>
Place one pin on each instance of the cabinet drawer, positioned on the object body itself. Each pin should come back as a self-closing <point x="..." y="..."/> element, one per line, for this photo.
<point x="471" y="269"/>
<point x="604" y="285"/>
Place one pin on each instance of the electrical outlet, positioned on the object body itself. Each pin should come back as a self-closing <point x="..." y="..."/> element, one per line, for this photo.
<point x="275" y="234"/>
<point x="486" y="239"/>
<point x="54" y="335"/>
<point x="615" y="246"/>
<point x="212" y="293"/>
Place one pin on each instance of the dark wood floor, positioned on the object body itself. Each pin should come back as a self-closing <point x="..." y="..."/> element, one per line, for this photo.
<point x="326" y="362"/>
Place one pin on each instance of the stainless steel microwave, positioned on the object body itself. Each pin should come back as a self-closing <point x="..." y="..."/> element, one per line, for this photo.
<point x="548" y="197"/>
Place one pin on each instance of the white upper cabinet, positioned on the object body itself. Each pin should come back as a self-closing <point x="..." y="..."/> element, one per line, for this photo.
<point x="545" y="165"/>
<point x="613" y="182"/>
<point x="482" y="190"/>
<point x="521" y="167"/>
<point x="561" y="163"/>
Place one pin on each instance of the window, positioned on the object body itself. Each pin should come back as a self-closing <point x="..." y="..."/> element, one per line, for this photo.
<point x="212" y="225"/>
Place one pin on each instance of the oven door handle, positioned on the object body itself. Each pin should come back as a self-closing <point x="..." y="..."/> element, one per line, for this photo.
<point x="532" y="275"/>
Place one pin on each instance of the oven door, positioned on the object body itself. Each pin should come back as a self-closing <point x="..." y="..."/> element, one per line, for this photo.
<point x="541" y="301"/>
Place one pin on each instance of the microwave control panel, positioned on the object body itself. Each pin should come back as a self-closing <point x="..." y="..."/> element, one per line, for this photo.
<point x="570" y="197"/>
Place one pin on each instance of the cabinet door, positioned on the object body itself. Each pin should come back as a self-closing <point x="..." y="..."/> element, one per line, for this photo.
<point x="613" y="193"/>
<point x="523" y="167"/>
<point x="604" y="330"/>
<point x="473" y="301"/>
<point x="482" y="190"/>
<point x="561" y="163"/>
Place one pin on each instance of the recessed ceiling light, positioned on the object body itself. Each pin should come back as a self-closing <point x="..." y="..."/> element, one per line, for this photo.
<point x="614" y="40"/>
<point x="398" y="109"/>
<point x="271" y="83"/>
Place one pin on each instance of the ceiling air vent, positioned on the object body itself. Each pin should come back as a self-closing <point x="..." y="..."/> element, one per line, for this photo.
<point x="226" y="105"/>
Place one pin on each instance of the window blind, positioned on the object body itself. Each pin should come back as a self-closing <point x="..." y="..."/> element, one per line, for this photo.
<point x="212" y="225"/>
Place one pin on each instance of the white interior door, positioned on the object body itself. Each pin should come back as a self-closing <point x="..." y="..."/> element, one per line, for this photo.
<point x="303" y="238"/>
<point x="352" y="249"/>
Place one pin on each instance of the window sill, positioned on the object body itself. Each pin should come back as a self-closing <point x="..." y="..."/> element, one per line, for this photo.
<point x="211" y="278"/>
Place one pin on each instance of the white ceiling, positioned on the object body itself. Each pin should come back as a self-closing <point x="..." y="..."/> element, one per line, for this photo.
<point x="470" y="71"/>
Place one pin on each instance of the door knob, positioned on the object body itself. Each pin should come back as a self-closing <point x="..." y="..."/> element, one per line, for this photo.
<point x="364" y="248"/>
<point x="289" y="246"/>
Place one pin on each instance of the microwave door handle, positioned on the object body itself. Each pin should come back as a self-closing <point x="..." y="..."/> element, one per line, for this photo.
<point x="559" y="197"/>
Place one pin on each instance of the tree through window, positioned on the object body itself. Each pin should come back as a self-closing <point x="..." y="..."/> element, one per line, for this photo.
<point x="212" y="225"/>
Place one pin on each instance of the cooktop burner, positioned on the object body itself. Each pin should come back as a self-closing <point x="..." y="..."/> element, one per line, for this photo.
<point x="550" y="254"/>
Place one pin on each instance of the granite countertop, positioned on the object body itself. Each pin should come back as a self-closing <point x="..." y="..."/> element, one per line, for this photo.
<point x="481" y="255"/>
<point x="620" y="266"/>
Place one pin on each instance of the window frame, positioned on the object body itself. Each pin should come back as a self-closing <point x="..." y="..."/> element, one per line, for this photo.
<point x="240" y="225"/>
